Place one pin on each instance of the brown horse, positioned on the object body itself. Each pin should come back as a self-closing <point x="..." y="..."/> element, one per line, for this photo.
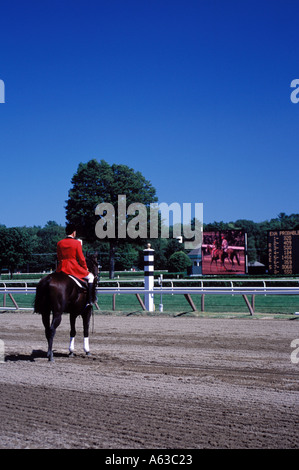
<point x="230" y="254"/>
<point x="221" y="255"/>
<point x="59" y="293"/>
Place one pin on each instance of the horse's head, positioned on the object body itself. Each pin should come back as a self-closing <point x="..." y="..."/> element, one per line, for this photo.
<point x="92" y="263"/>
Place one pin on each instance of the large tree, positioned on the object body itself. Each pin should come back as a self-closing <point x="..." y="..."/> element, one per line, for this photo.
<point x="97" y="182"/>
<point x="15" y="248"/>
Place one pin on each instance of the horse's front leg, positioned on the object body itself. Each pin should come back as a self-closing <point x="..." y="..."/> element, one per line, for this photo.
<point x="72" y="334"/>
<point x="86" y="320"/>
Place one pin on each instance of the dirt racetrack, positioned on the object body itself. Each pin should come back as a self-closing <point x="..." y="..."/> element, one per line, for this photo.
<point x="151" y="383"/>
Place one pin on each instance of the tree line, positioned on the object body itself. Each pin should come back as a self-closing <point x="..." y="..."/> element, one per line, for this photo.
<point x="33" y="249"/>
<point x="98" y="185"/>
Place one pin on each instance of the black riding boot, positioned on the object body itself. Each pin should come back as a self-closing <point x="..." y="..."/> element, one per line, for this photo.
<point x="89" y="294"/>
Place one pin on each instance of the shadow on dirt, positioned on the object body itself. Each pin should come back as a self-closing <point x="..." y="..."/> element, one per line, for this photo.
<point x="36" y="354"/>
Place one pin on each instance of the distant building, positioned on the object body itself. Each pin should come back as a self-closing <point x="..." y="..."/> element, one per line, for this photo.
<point x="254" y="267"/>
<point x="195" y="257"/>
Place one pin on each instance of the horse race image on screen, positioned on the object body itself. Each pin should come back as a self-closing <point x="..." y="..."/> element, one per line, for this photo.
<point x="224" y="252"/>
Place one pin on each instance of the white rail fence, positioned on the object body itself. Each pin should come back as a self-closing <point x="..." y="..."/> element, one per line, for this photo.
<point x="8" y="288"/>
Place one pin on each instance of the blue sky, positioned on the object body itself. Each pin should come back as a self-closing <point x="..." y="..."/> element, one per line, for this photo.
<point x="194" y="94"/>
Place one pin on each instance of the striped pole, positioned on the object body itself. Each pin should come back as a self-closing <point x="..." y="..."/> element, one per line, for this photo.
<point x="149" y="277"/>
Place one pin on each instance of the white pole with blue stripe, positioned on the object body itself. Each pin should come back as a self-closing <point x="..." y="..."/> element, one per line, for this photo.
<point x="149" y="277"/>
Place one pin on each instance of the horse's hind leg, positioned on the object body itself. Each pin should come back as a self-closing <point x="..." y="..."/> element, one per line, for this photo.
<point x="50" y="330"/>
<point x="46" y="323"/>
<point x="72" y="335"/>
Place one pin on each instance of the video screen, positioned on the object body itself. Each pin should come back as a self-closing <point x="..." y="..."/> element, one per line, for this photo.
<point x="224" y="252"/>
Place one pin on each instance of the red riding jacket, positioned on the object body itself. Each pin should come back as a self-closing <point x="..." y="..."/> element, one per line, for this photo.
<point x="70" y="258"/>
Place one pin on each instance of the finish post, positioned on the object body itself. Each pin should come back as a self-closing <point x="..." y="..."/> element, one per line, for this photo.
<point x="149" y="277"/>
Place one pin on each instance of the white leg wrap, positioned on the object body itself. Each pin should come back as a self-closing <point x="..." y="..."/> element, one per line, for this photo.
<point x="86" y="344"/>
<point x="72" y="344"/>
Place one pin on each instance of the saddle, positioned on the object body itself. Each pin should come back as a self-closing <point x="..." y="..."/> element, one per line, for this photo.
<point x="82" y="283"/>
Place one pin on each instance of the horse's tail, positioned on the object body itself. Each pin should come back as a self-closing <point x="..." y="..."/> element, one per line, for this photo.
<point x="41" y="301"/>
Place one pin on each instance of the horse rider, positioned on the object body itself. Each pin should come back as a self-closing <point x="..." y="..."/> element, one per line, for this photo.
<point x="224" y="244"/>
<point x="72" y="261"/>
<point x="214" y="247"/>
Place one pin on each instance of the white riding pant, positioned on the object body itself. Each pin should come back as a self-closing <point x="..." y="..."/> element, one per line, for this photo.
<point x="90" y="278"/>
